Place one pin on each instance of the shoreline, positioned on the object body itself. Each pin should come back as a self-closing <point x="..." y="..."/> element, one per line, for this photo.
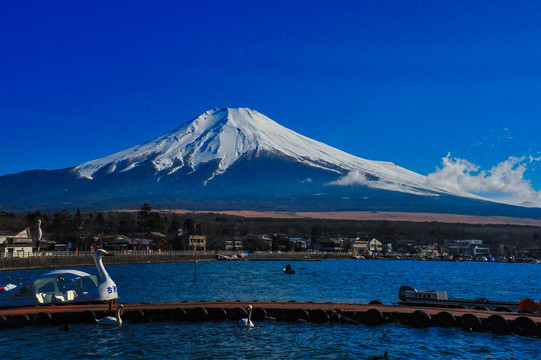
<point x="53" y="262"/>
<point x="49" y="262"/>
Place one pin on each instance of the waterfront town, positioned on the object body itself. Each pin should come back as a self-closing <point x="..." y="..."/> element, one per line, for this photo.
<point x="65" y="233"/>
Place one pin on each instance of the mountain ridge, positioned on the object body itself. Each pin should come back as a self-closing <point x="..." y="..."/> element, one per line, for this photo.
<point x="231" y="159"/>
<point x="229" y="134"/>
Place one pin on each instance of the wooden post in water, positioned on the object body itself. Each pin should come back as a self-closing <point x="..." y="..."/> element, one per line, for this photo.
<point x="195" y="265"/>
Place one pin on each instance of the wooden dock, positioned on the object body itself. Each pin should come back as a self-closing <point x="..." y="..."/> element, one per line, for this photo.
<point x="359" y="314"/>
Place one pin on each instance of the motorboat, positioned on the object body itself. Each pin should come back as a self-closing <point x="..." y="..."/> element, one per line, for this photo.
<point x="410" y="296"/>
<point x="223" y="257"/>
<point x="237" y="256"/>
<point x="64" y="286"/>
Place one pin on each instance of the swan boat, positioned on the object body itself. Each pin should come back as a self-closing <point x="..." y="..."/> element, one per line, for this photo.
<point x="62" y="287"/>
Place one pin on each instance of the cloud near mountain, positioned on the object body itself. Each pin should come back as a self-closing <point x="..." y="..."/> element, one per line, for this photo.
<point x="504" y="182"/>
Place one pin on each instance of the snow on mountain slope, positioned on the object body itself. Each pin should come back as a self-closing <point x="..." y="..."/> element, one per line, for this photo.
<point x="226" y="135"/>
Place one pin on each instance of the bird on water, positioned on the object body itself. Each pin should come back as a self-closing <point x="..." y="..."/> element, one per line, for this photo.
<point x="247" y="322"/>
<point x="112" y="320"/>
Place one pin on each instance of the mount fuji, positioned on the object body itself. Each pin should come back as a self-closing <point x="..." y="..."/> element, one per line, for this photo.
<point x="239" y="159"/>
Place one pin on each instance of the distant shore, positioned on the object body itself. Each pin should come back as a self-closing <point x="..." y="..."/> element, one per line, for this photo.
<point x="50" y="262"/>
<point x="47" y="262"/>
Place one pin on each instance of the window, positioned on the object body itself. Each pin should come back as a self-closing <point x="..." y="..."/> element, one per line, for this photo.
<point x="47" y="287"/>
<point x="25" y="291"/>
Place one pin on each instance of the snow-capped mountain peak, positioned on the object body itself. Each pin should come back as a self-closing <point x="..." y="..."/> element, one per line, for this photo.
<point x="227" y="135"/>
<point x="232" y="159"/>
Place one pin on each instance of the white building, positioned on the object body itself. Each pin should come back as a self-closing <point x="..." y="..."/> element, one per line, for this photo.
<point x="13" y="244"/>
<point x="375" y="245"/>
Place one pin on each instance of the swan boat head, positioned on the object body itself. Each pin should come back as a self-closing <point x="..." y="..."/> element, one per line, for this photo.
<point x="106" y="289"/>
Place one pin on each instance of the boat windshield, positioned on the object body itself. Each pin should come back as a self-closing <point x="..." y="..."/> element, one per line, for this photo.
<point x="46" y="285"/>
<point x="89" y="283"/>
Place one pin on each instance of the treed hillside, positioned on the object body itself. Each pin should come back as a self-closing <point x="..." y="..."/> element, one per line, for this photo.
<point x="89" y="227"/>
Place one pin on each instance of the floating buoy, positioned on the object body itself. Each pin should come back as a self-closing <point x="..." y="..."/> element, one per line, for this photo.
<point x="19" y="320"/>
<point x="3" y="321"/>
<point x="497" y="324"/>
<point x="61" y="318"/>
<point x="335" y="316"/>
<point x="524" y="325"/>
<point x="420" y="319"/>
<point x="87" y="317"/>
<point x="289" y="315"/>
<point x="373" y="317"/>
<point x="444" y="319"/>
<point x="319" y="316"/>
<point x="349" y="317"/>
<point x="41" y="319"/>
<point x="259" y="314"/>
<point x="302" y="314"/>
<point x="197" y="314"/>
<point x="237" y="313"/>
<point x="178" y="314"/>
<point x="156" y="315"/>
<point x="217" y="314"/>
<point x="471" y="322"/>
<point x="136" y="316"/>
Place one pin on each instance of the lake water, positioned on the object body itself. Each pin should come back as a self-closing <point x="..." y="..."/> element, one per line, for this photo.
<point x="349" y="281"/>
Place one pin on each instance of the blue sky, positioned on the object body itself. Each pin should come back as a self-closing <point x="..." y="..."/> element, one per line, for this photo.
<point x="449" y="89"/>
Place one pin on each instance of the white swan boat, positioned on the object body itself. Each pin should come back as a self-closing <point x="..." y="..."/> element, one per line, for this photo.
<point x="62" y="287"/>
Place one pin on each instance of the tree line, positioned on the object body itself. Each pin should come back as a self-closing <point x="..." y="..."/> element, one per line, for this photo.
<point x="85" y="228"/>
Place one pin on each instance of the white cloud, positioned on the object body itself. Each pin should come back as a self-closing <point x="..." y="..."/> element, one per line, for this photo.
<point x="505" y="182"/>
<point x="352" y="178"/>
<point x="356" y="177"/>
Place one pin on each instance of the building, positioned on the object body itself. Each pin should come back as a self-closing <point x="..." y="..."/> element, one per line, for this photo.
<point x="118" y="242"/>
<point x="255" y="242"/>
<point x="16" y="244"/>
<point x="467" y="247"/>
<point x="330" y="244"/>
<point x="299" y="244"/>
<point x="233" y="244"/>
<point x="197" y="242"/>
<point x="375" y="245"/>
<point x="360" y="246"/>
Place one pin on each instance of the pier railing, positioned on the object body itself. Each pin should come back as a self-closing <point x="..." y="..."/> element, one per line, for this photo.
<point x="89" y="253"/>
<point x="42" y="254"/>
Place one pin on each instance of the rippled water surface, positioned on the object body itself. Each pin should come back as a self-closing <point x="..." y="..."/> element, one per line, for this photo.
<point x="329" y="280"/>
